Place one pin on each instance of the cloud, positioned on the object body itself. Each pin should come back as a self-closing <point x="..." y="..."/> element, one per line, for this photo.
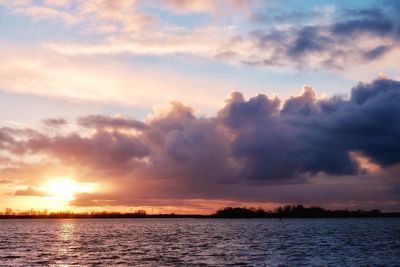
<point x="250" y="147"/>
<point x="55" y="122"/>
<point x="103" y="79"/>
<point x="335" y="40"/>
<point x="206" y="6"/>
<point x="372" y="21"/>
<point x="46" y="11"/>
<point x="349" y="38"/>
<point x="40" y="12"/>
<point x="57" y="2"/>
<point x="203" y="41"/>
<point x="30" y="191"/>
<point x="101" y="122"/>
<point x="377" y="52"/>
<point x="92" y="15"/>
<point x="331" y="39"/>
<point x="278" y="144"/>
<point x="191" y="6"/>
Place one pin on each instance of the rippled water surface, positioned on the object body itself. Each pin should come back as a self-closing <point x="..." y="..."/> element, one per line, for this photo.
<point x="200" y="242"/>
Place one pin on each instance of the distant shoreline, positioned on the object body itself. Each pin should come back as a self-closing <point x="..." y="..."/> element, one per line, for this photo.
<point x="179" y="217"/>
<point x="289" y="211"/>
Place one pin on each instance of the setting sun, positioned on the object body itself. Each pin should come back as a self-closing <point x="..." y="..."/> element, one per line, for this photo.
<point x="60" y="191"/>
<point x="66" y="188"/>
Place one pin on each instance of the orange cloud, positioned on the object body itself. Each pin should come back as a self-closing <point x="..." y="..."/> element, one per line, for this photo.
<point x="30" y="191"/>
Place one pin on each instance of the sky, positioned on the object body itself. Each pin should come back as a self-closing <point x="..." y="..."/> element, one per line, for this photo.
<point x="189" y="106"/>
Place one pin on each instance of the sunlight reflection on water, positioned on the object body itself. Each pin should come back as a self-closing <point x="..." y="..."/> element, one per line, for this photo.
<point x="66" y="231"/>
<point x="201" y="242"/>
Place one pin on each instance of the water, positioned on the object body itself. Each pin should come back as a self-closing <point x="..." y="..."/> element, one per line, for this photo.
<point x="200" y="242"/>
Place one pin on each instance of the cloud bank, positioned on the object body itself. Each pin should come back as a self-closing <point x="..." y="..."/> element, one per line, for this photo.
<point x="247" y="151"/>
<point x="326" y="38"/>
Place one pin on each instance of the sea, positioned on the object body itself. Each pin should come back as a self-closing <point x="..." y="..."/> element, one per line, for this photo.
<point x="200" y="242"/>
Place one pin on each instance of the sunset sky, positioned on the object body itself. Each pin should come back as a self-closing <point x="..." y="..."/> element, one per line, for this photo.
<point x="192" y="105"/>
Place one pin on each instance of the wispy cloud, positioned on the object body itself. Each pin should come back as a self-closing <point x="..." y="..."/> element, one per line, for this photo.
<point x="345" y="39"/>
<point x="36" y="71"/>
<point x="206" y="6"/>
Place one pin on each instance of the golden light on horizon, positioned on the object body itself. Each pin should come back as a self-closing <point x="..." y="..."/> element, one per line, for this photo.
<point x="60" y="191"/>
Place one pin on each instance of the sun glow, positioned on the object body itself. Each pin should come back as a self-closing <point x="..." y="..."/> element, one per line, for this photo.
<point x="63" y="190"/>
<point x="54" y="194"/>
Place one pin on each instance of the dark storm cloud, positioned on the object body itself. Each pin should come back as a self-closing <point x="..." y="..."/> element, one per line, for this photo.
<point x="284" y="144"/>
<point x="252" y="139"/>
<point x="187" y="147"/>
<point x="250" y="143"/>
<point x="303" y="104"/>
<point x="374" y="122"/>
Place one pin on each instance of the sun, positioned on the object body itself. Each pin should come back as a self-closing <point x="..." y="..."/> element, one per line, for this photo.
<point x="62" y="188"/>
<point x="59" y="192"/>
<point x="66" y="188"/>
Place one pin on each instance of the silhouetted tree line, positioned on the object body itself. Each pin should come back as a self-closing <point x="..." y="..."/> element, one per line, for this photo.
<point x="298" y="211"/>
<point x="289" y="211"/>
<point x="38" y="214"/>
